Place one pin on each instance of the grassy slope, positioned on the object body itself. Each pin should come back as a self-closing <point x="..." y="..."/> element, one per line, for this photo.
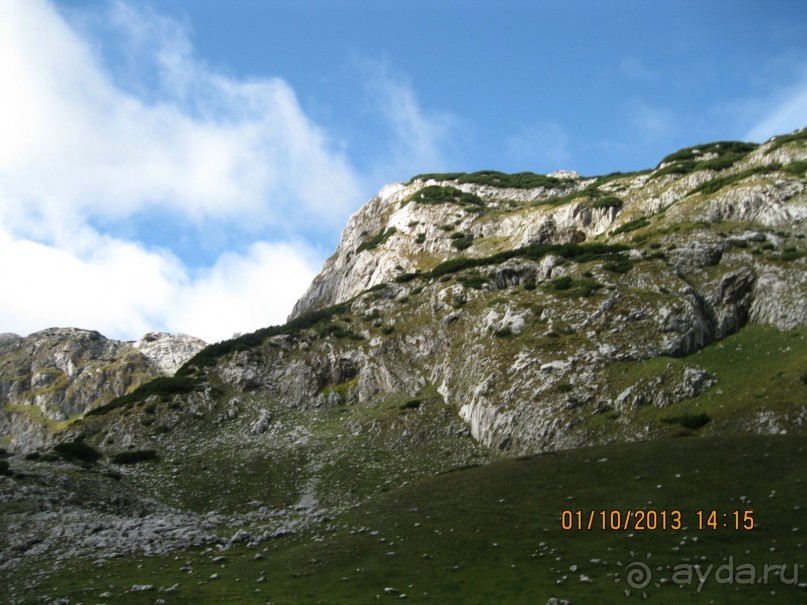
<point x="492" y="534"/>
<point x="758" y="369"/>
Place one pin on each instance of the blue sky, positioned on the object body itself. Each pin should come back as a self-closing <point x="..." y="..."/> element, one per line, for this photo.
<point x="187" y="165"/>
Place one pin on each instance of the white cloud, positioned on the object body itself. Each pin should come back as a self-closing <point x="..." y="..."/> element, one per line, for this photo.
<point x="782" y="113"/>
<point x="206" y="145"/>
<point x="123" y="290"/>
<point x="541" y="147"/>
<point x="80" y="148"/>
<point x="118" y="289"/>
<point x="240" y="292"/>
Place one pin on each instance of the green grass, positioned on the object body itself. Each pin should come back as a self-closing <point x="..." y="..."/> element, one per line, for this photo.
<point x="436" y="194"/>
<point x="377" y="240"/>
<point x="621" y="264"/>
<point x="492" y="534"/>
<point x="757" y="369"/>
<point x="719" y="183"/>
<point x="78" y="450"/>
<point x="135" y="456"/>
<point x="577" y="252"/>
<point x="472" y="279"/>
<point x="568" y="286"/>
<point x="633" y="225"/>
<point x="796" y="168"/>
<point x="521" y="180"/>
<point x="780" y="141"/>
<point x="164" y="387"/>
<point x="596" y="197"/>
<point x="462" y="243"/>
<point x="689" y="159"/>
<point x="610" y="201"/>
<point x="689" y="421"/>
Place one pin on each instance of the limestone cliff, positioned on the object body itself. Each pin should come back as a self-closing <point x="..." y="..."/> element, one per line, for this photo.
<point x="538" y="306"/>
<point x="414" y="226"/>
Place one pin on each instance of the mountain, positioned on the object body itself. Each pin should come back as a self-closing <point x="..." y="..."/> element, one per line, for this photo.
<point x="50" y="378"/>
<point x="463" y="320"/>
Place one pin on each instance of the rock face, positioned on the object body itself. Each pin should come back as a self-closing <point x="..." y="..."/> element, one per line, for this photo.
<point x="50" y="376"/>
<point x="711" y="250"/>
<point x="169" y="351"/>
<point x="575" y="209"/>
<point x="517" y="304"/>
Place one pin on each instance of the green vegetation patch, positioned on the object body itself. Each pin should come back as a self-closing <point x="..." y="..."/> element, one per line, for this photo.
<point x="163" y="387"/>
<point x="718" y="183"/>
<point x="689" y="421"/>
<point x="758" y="371"/>
<point x="579" y="253"/>
<point x="520" y="180"/>
<point x="462" y="242"/>
<point x="791" y="254"/>
<point x="412" y="404"/>
<point x="610" y="201"/>
<point x="621" y="264"/>
<point x="326" y="328"/>
<point x="796" y="168"/>
<point x="780" y="141"/>
<point x="494" y="534"/>
<point x="472" y="279"/>
<point x="135" y="456"/>
<point x="376" y="241"/>
<point x="569" y="286"/>
<point x="633" y="225"/>
<point x="596" y="197"/>
<point x="690" y="159"/>
<point x="437" y="194"/>
<point x="78" y="450"/>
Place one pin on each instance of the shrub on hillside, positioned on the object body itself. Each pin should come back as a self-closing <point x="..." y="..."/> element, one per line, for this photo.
<point x="135" y="456"/>
<point x="690" y="421"/>
<point x="77" y="450"/>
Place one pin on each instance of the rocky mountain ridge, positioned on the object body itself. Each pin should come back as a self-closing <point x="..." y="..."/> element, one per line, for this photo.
<point x="462" y="318"/>
<point x="565" y="208"/>
<point x="53" y="375"/>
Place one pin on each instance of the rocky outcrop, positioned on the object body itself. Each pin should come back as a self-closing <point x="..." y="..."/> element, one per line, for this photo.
<point x="57" y="374"/>
<point x="103" y="518"/>
<point x="707" y="284"/>
<point x="169" y="351"/>
<point x="532" y="394"/>
<point x="397" y="232"/>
